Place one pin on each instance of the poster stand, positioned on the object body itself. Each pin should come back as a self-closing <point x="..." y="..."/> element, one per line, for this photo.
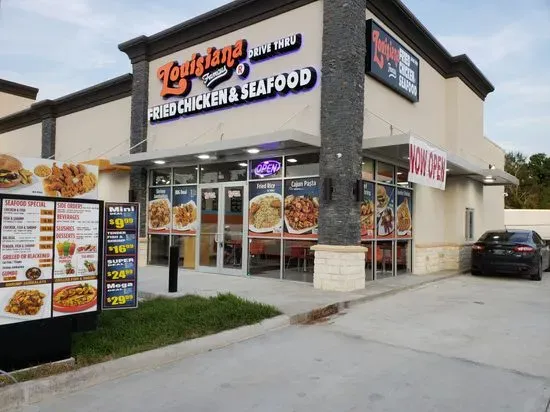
<point x="25" y="343"/>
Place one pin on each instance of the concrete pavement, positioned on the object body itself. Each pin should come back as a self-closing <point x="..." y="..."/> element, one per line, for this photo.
<point x="462" y="344"/>
<point x="291" y="298"/>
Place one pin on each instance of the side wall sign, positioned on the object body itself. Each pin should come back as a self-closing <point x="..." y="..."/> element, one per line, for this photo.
<point x="391" y="63"/>
<point x="218" y="66"/>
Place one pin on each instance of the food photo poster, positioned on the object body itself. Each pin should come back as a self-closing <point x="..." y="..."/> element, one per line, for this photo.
<point x="385" y="211"/>
<point x="301" y="208"/>
<point x="44" y="177"/>
<point x="265" y="208"/>
<point x="184" y="208"/>
<point x="160" y="210"/>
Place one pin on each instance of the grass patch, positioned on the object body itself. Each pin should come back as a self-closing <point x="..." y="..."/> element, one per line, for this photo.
<point x="160" y="322"/>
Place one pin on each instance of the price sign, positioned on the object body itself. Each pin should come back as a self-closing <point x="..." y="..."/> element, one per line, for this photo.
<point x="121" y="255"/>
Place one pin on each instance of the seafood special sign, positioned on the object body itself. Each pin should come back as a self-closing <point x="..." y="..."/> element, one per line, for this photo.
<point x="391" y="63"/>
<point x="219" y="65"/>
<point x="427" y="164"/>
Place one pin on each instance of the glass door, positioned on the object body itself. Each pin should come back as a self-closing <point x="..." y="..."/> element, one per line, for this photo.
<point x="222" y="229"/>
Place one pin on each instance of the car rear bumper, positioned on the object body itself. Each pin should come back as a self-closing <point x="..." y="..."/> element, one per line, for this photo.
<point x="520" y="268"/>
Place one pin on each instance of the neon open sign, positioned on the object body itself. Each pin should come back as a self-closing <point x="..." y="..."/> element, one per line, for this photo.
<point x="267" y="168"/>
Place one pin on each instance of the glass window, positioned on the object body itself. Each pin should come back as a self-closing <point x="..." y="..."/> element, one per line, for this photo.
<point x="404" y="254"/>
<point x="384" y="260"/>
<point x="369" y="254"/>
<point x="403" y="177"/>
<point x="159" y="246"/>
<point x="161" y="177"/>
<point x="367" y="169"/>
<point x="384" y="173"/>
<point x="187" y="250"/>
<point x="266" y="168"/>
<point x="469" y="228"/>
<point x="185" y="175"/>
<point x="223" y="172"/>
<point x="264" y="258"/>
<point x="302" y="165"/>
<point x="299" y="260"/>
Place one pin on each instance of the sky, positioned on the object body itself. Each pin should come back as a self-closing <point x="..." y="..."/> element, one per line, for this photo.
<point x="61" y="46"/>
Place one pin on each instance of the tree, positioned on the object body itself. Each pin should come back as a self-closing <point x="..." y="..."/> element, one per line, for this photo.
<point x="533" y="174"/>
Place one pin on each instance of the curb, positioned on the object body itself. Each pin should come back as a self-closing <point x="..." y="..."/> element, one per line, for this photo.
<point x="29" y="392"/>
<point x="337" y="307"/>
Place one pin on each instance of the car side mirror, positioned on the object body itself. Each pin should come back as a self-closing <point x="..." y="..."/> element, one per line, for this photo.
<point x="547" y="242"/>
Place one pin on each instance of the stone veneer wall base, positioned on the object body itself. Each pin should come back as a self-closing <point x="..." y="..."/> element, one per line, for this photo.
<point x="431" y="259"/>
<point x="339" y="268"/>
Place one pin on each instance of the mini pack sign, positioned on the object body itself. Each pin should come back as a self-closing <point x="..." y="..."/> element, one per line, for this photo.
<point x="219" y="65"/>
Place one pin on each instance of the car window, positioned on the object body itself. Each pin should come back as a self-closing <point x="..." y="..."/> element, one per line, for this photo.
<point x="515" y="237"/>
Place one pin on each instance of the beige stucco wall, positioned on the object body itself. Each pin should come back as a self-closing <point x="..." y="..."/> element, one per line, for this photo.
<point x="538" y="220"/>
<point x="295" y="111"/>
<point x="25" y="142"/>
<point x="87" y="134"/>
<point x="10" y="104"/>
<point x="114" y="186"/>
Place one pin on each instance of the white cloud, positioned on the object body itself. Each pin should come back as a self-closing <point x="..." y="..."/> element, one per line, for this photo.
<point x="525" y="121"/>
<point x="527" y="90"/>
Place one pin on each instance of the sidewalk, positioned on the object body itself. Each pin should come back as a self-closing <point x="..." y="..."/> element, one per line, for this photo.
<point x="292" y="298"/>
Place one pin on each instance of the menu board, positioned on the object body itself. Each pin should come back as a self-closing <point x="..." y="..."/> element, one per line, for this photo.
<point x="26" y="250"/>
<point x="385" y="211"/>
<point x="184" y="211"/>
<point x="159" y="212"/>
<point x="121" y="256"/>
<point x="76" y="259"/>
<point x="367" y="212"/>
<point x="265" y="217"/>
<point x="49" y="258"/>
<point x="44" y="177"/>
<point x="403" y="213"/>
<point x="301" y="208"/>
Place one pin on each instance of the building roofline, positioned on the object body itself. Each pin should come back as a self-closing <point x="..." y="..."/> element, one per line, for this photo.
<point x="105" y="92"/>
<point x="18" y="89"/>
<point x="242" y="13"/>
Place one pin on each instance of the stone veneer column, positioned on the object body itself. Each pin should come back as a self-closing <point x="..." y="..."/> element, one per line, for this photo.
<point x="137" y="51"/>
<point x="339" y="258"/>
<point x="46" y="110"/>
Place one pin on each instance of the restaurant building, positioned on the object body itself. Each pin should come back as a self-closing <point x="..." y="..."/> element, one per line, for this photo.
<point x="291" y="139"/>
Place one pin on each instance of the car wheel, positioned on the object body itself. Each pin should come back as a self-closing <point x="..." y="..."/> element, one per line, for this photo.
<point x="538" y="276"/>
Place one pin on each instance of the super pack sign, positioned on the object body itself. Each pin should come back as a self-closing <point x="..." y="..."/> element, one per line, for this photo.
<point x="391" y="63"/>
<point x="217" y="66"/>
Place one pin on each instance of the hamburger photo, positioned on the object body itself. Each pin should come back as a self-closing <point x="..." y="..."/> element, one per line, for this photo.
<point x="9" y="171"/>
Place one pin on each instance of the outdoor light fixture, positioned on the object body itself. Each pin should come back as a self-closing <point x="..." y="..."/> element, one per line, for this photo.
<point x="159" y="162"/>
<point x="292" y="160"/>
<point x="204" y="157"/>
<point x="243" y="164"/>
<point x="253" y="151"/>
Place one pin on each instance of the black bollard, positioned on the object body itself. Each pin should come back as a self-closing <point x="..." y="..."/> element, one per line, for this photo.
<point x="173" y="269"/>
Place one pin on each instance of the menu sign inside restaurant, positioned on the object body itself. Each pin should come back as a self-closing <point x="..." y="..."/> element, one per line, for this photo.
<point x="121" y="256"/>
<point x="427" y="164"/>
<point x="391" y="63"/>
<point x="265" y="208"/>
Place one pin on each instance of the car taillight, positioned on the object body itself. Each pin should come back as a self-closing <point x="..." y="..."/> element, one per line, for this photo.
<point x="478" y="247"/>
<point x="524" y="249"/>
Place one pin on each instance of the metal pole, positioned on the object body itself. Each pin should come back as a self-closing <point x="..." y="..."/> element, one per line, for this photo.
<point x="173" y="269"/>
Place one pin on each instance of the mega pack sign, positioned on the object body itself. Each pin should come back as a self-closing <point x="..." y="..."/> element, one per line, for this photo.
<point x="219" y="65"/>
<point x="391" y="63"/>
<point x="427" y="164"/>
